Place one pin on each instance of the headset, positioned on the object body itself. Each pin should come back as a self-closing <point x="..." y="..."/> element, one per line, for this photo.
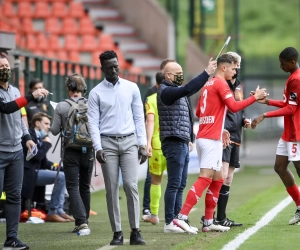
<point x="72" y="85"/>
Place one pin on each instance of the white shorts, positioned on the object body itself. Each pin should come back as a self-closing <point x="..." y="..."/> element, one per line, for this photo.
<point x="290" y="149"/>
<point x="209" y="153"/>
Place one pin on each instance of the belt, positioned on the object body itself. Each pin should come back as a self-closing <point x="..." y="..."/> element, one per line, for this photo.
<point x="116" y="137"/>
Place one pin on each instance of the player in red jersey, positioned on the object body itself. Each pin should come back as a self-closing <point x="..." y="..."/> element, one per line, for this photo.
<point x="288" y="148"/>
<point x="216" y="96"/>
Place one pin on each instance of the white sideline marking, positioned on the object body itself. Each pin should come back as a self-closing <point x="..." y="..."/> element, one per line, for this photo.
<point x="108" y="247"/>
<point x="242" y="237"/>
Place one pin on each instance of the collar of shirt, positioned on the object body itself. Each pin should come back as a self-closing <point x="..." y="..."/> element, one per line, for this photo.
<point x="110" y="85"/>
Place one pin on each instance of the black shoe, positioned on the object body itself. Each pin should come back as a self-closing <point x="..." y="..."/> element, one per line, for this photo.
<point x="146" y="212"/>
<point x="136" y="238"/>
<point x="117" y="239"/>
<point x="228" y="223"/>
<point x="14" y="243"/>
<point x="202" y="219"/>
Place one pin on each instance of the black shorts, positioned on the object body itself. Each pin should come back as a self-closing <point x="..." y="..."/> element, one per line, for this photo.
<point x="231" y="154"/>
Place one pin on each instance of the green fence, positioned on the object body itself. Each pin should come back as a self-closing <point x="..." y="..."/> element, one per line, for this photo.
<point x="54" y="72"/>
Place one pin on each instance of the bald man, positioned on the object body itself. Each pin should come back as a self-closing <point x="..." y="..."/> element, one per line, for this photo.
<point x="176" y="132"/>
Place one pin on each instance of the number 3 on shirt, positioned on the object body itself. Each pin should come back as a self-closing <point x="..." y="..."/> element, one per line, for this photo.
<point x="204" y="94"/>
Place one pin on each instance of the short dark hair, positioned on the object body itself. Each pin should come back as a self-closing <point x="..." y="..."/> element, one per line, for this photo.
<point x="106" y="55"/>
<point x="159" y="77"/>
<point x="39" y="117"/>
<point x="226" y="58"/>
<point x="289" y="54"/>
<point x="34" y="82"/>
<point x="75" y="82"/>
<point x="165" y="62"/>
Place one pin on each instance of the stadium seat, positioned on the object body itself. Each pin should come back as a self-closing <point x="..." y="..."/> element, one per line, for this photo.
<point x="74" y="56"/>
<point x="88" y="43"/>
<point x="42" y="10"/>
<point x="30" y="42"/>
<point x="8" y="9"/>
<point x="15" y="22"/>
<point x="27" y="25"/>
<point x="53" y="43"/>
<point x="106" y="42"/>
<point x="71" y="42"/>
<point x="59" y="9"/>
<point x="69" y="26"/>
<point x="62" y="55"/>
<point x="42" y="41"/>
<point x="86" y="26"/>
<point x="5" y="26"/>
<point x="52" y="25"/>
<point x="25" y="9"/>
<point x="76" y="10"/>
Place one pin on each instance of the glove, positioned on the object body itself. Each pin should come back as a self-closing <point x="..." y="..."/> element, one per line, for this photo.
<point x="100" y="156"/>
<point x="142" y="154"/>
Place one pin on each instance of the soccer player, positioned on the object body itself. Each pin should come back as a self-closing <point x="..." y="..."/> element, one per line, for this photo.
<point x="157" y="162"/>
<point x="288" y="148"/>
<point x="216" y="96"/>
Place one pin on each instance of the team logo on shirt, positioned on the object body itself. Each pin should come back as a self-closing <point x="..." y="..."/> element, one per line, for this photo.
<point x="293" y="96"/>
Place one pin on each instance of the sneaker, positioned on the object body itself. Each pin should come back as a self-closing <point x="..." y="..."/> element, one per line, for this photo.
<point x="296" y="218"/>
<point x="83" y="230"/>
<point x="184" y="225"/>
<point x="214" y="228"/>
<point x="228" y="223"/>
<point x="75" y="230"/>
<point x="150" y="218"/>
<point x="171" y="228"/>
<point x="146" y="212"/>
<point x="14" y="243"/>
<point x="202" y="218"/>
<point x="195" y="229"/>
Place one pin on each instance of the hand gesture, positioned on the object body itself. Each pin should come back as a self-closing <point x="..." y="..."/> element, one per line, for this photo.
<point x="142" y="154"/>
<point x="247" y="123"/>
<point x="257" y="120"/>
<point x="260" y="93"/>
<point x="100" y="156"/>
<point x="225" y="138"/>
<point x="212" y="65"/>
<point x="40" y="92"/>
<point x="30" y="144"/>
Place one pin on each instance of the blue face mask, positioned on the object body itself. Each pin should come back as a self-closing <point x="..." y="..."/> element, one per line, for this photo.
<point x="42" y="134"/>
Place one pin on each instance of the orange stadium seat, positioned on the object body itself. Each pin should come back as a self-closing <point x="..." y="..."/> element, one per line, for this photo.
<point x="95" y="57"/>
<point x="88" y="43"/>
<point x="42" y="10"/>
<point x="62" y="55"/>
<point x="71" y="42"/>
<point x="86" y="26"/>
<point x="15" y="22"/>
<point x="8" y="9"/>
<point x="59" y="9"/>
<point x="27" y="25"/>
<point x="74" y="56"/>
<point x="42" y="41"/>
<point x="106" y="42"/>
<point x="53" y="43"/>
<point x="30" y="42"/>
<point x="25" y="9"/>
<point x="52" y="25"/>
<point x="5" y="26"/>
<point x="69" y="26"/>
<point x="76" y="10"/>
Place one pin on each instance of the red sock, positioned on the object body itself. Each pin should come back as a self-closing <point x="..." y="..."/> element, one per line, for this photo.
<point x="294" y="193"/>
<point x="211" y="198"/>
<point x="194" y="194"/>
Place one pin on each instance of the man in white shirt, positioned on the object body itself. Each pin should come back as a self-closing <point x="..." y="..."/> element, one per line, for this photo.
<point x="116" y="123"/>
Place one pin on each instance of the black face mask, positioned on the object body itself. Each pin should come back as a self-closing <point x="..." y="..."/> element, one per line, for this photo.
<point x="236" y="74"/>
<point x="178" y="79"/>
<point x="5" y="75"/>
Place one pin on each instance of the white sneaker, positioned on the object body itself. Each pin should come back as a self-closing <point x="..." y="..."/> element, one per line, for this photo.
<point x="195" y="229"/>
<point x="83" y="230"/>
<point x="184" y="225"/>
<point x="296" y="218"/>
<point x="214" y="227"/>
<point x="171" y="228"/>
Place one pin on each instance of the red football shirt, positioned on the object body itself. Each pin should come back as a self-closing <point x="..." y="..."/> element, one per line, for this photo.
<point x="215" y="97"/>
<point x="289" y="108"/>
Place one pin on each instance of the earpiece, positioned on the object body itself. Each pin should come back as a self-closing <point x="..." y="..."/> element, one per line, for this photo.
<point x="72" y="86"/>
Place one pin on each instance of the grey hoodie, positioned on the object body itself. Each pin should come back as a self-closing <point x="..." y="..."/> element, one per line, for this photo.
<point x="12" y="126"/>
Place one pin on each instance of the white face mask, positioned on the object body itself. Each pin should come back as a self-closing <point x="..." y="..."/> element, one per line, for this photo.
<point x="42" y="133"/>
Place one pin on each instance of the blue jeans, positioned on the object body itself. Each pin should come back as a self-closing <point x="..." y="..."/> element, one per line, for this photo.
<point x="46" y="177"/>
<point x="177" y="156"/>
<point x="11" y="178"/>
